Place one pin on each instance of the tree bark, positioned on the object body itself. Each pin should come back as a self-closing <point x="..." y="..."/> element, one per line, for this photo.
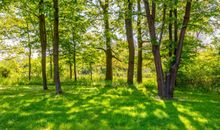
<point x="29" y="54"/>
<point x="74" y="61"/>
<point x="109" y="75"/>
<point x="129" y="33"/>
<point x="155" y="46"/>
<point x="43" y="39"/>
<point x="170" y="33"/>
<point x="74" y="57"/>
<point x="56" y="48"/>
<point x="140" y="44"/>
<point x="51" y="63"/>
<point x="91" y="70"/>
<point x="71" y="71"/>
<point x="175" y="66"/>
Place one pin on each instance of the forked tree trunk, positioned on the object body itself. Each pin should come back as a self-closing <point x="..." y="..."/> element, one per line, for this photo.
<point x="140" y="43"/>
<point x="171" y="76"/>
<point x="56" y="48"/>
<point x="43" y="39"/>
<point x="129" y="33"/>
<point x="155" y="46"/>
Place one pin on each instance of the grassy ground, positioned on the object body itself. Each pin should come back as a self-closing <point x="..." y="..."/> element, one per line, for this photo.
<point x="93" y="106"/>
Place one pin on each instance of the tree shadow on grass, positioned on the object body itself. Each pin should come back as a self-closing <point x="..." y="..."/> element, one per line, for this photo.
<point x="96" y="108"/>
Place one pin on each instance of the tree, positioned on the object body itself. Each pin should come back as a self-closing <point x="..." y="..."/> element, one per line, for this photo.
<point x="140" y="43"/>
<point x="155" y="46"/>
<point x="171" y="76"/>
<point x="165" y="90"/>
<point x="129" y="34"/>
<point x="56" y="47"/>
<point x="43" y="39"/>
<point x="108" y="51"/>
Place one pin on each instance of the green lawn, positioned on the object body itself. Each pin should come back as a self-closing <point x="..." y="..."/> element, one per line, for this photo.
<point x="92" y="106"/>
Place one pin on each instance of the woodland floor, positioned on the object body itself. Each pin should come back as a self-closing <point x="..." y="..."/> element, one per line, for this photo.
<point x="92" y="106"/>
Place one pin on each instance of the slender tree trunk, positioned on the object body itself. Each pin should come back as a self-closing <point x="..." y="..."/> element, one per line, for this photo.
<point x="175" y="66"/>
<point x="109" y="75"/>
<point x="175" y="27"/>
<point x="129" y="33"/>
<point x="74" y="59"/>
<point x="170" y="34"/>
<point x="91" y="70"/>
<point x="155" y="46"/>
<point x="29" y="63"/>
<point x="56" y="47"/>
<point x="29" y="54"/>
<point x="51" y="63"/>
<point x="71" y="71"/>
<point x="43" y="39"/>
<point x="140" y="43"/>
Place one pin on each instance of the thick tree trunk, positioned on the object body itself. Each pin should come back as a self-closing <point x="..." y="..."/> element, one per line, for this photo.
<point x="109" y="75"/>
<point x="174" y="68"/>
<point x="43" y="39"/>
<point x="140" y="43"/>
<point x="155" y="47"/>
<point x="56" y="47"/>
<point x="129" y="33"/>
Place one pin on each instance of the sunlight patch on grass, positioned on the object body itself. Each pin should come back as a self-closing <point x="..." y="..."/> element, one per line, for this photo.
<point x="65" y="126"/>
<point x="193" y="114"/>
<point x="160" y="114"/>
<point x="49" y="126"/>
<point x="186" y="122"/>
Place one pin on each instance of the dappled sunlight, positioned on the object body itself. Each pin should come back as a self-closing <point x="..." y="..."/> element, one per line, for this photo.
<point x="193" y="114"/>
<point x="160" y="114"/>
<point x="186" y="122"/>
<point x="99" y="108"/>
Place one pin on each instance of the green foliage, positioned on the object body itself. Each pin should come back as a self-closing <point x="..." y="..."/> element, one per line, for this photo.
<point x="202" y="73"/>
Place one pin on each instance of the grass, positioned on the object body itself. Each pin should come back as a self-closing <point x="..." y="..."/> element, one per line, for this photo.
<point x="92" y="106"/>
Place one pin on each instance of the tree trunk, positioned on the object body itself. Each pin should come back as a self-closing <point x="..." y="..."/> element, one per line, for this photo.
<point x="175" y="66"/>
<point x="29" y="54"/>
<point x="43" y="39"/>
<point x="91" y="70"/>
<point x="56" y="47"/>
<point x="109" y="75"/>
<point x="140" y="43"/>
<point x="51" y="63"/>
<point x="71" y="71"/>
<point x="29" y="64"/>
<point x="129" y="33"/>
<point x="74" y="58"/>
<point x="155" y="46"/>
<point x="170" y="34"/>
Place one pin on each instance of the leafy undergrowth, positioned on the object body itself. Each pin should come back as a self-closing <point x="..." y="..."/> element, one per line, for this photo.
<point x="93" y="106"/>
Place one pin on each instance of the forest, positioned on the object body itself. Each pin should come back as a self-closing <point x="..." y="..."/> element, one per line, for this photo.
<point x="109" y="64"/>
